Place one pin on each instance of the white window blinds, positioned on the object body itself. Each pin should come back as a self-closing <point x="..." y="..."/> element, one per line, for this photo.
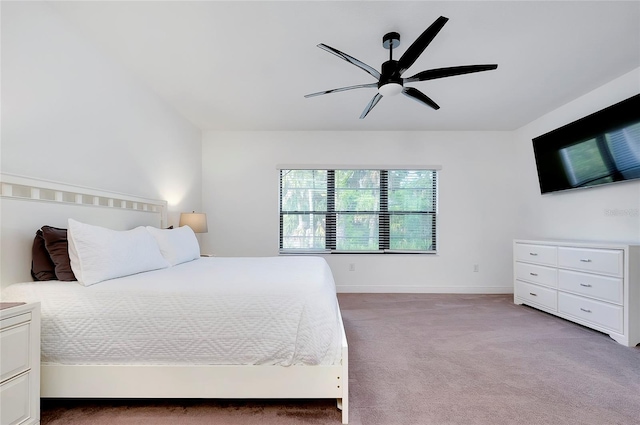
<point x="358" y="210"/>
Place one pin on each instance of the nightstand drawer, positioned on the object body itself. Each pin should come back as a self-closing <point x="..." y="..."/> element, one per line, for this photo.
<point x="538" y="254"/>
<point x="599" y="313"/>
<point x="537" y="274"/>
<point x="536" y="294"/>
<point x="606" y="288"/>
<point x="14" y="350"/>
<point x="15" y="320"/>
<point x="15" y="400"/>
<point x="605" y="261"/>
<point x="19" y="363"/>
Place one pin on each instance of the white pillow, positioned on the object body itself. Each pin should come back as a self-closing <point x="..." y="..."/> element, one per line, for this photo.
<point x="176" y="245"/>
<point x="98" y="254"/>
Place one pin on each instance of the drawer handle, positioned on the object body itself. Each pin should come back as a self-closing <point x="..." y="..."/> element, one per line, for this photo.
<point x="531" y="293"/>
<point x="533" y="253"/>
<point x="533" y="274"/>
<point x="585" y="260"/>
<point x="586" y="285"/>
<point x="585" y="310"/>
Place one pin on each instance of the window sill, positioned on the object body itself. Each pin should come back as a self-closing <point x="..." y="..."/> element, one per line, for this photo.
<point x="392" y="252"/>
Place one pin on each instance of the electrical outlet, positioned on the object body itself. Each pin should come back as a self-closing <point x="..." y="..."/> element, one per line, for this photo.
<point x="476" y="268"/>
<point x="352" y="267"/>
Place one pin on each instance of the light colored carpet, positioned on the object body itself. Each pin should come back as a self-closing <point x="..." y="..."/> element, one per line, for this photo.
<point x="430" y="359"/>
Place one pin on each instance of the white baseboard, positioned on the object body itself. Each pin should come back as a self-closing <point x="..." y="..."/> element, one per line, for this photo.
<point x="409" y="289"/>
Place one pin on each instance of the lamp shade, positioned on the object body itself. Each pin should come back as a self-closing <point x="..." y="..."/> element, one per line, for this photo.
<point x="197" y="221"/>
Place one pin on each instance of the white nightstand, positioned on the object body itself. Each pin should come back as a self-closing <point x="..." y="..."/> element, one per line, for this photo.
<point x="19" y="363"/>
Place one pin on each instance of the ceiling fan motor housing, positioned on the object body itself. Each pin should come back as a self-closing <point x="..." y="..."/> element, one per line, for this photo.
<point x="390" y="82"/>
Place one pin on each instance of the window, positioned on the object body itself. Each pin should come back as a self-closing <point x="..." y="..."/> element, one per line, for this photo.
<point x="358" y="210"/>
<point x="608" y="157"/>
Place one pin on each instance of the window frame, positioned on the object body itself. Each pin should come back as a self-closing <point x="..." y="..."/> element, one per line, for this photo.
<point x="384" y="215"/>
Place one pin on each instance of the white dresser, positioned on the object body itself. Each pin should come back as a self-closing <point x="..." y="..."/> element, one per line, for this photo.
<point x="19" y="364"/>
<point x="594" y="284"/>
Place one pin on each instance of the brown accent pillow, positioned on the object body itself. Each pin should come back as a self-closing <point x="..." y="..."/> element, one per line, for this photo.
<point x="55" y="240"/>
<point x="42" y="268"/>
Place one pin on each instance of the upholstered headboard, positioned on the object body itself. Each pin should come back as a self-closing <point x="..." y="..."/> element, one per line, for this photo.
<point x="26" y="204"/>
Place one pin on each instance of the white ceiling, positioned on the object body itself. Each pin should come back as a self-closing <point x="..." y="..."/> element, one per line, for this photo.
<point x="247" y="65"/>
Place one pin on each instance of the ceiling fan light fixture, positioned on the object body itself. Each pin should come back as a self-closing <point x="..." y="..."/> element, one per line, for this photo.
<point x="390" y="89"/>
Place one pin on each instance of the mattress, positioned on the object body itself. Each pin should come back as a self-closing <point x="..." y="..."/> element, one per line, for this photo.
<point x="211" y="311"/>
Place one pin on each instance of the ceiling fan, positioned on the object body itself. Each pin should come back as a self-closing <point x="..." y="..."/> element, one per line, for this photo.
<point x="390" y="81"/>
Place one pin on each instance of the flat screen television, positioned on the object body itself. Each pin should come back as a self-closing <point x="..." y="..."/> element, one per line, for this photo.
<point x="601" y="148"/>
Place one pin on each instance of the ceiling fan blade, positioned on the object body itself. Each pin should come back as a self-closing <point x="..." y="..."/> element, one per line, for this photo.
<point x="374" y="101"/>
<point x="421" y="43"/>
<point x="416" y="94"/>
<point x="432" y="74"/>
<point x="351" y="60"/>
<point x="359" y="86"/>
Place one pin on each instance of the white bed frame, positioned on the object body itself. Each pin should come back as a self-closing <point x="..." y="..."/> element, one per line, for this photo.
<point x="26" y="204"/>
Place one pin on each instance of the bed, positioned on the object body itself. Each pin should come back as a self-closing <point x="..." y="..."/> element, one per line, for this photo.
<point x="207" y="328"/>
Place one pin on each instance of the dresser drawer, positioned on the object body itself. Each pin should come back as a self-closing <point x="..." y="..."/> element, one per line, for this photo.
<point x="592" y="285"/>
<point x="15" y="400"/>
<point x="606" y="261"/>
<point x="536" y="294"/>
<point x="539" y="254"/>
<point x="14" y="350"/>
<point x="599" y="313"/>
<point x="537" y="274"/>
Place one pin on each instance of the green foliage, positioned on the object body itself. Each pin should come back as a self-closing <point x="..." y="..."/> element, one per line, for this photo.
<point x="411" y="232"/>
<point x="410" y="190"/>
<point x="303" y="193"/>
<point x="357" y="232"/>
<point x="303" y="231"/>
<point x="304" y="190"/>
<point x="357" y="190"/>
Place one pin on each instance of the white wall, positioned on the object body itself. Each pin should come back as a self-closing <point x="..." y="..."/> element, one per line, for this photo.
<point x="605" y="213"/>
<point x="476" y="209"/>
<point x="71" y="114"/>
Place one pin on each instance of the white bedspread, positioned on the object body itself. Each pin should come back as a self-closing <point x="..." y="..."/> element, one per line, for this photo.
<point x="276" y="311"/>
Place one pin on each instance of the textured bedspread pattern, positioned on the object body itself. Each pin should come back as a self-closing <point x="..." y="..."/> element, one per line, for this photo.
<point x="211" y="311"/>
